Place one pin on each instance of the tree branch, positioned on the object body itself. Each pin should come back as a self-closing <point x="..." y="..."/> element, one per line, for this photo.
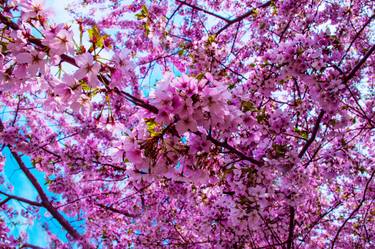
<point x="232" y="150"/>
<point x="311" y="226"/>
<point x="345" y="81"/>
<point x="354" y="211"/>
<point x="110" y="208"/>
<point x="313" y="134"/>
<point x="351" y="75"/>
<point x="14" y="197"/>
<point x="292" y="214"/>
<point x="241" y="17"/>
<point x="140" y="102"/>
<point x="27" y="245"/>
<point x="359" y="64"/>
<point x="8" y="22"/>
<point x="356" y="37"/>
<point x="203" y="10"/>
<point x="45" y="201"/>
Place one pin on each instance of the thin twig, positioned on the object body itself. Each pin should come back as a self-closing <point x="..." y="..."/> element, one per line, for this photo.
<point x="203" y="10"/>
<point x="313" y="134"/>
<point x="243" y="16"/>
<point x="354" y="211"/>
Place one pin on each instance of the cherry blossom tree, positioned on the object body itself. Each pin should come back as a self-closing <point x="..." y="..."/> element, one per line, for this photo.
<point x="259" y="134"/>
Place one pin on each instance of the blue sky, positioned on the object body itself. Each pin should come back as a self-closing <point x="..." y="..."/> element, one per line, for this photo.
<point x="21" y="186"/>
<point x="13" y="175"/>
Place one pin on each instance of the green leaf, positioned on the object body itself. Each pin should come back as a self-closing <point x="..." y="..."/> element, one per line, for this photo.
<point x="274" y="8"/>
<point x="262" y="117"/>
<point x="93" y="32"/>
<point x="96" y="38"/>
<point x="248" y="106"/>
<point x="279" y="149"/>
<point x="255" y="13"/>
<point x="300" y="51"/>
<point x="182" y="45"/>
<point x="139" y="16"/>
<point x="151" y="127"/>
<point x="181" y="52"/>
<point x="252" y="65"/>
<point x="100" y="42"/>
<point x="145" y="10"/>
<point x="143" y="14"/>
<point x="200" y="76"/>
<point x="231" y="86"/>
<point x="302" y="133"/>
<point x="4" y="47"/>
<point x="90" y="92"/>
<point x="147" y="28"/>
<point x="85" y="87"/>
<point x="49" y="181"/>
<point x="211" y="39"/>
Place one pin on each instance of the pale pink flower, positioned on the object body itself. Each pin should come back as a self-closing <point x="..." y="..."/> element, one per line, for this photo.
<point x="81" y="105"/>
<point x="88" y="68"/>
<point x="59" y="40"/>
<point x="20" y="71"/>
<point x="32" y="8"/>
<point x="133" y="153"/>
<point x="64" y="91"/>
<point x="35" y="61"/>
<point x="186" y="123"/>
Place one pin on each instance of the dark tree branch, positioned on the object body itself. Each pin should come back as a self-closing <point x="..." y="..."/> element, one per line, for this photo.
<point x="30" y="202"/>
<point x="292" y="213"/>
<point x="110" y="208"/>
<point x="345" y="81"/>
<point x="140" y="102"/>
<point x="354" y="211"/>
<point x="310" y="227"/>
<point x="235" y="37"/>
<point x="313" y="134"/>
<point x="8" y="22"/>
<point x="45" y="201"/>
<point x="232" y="150"/>
<point x="27" y="245"/>
<point x="285" y="29"/>
<point x="351" y="75"/>
<point x="204" y="11"/>
<point x="243" y="16"/>
<point x="137" y="101"/>
<point x="358" y="65"/>
<point x="356" y="37"/>
<point x="33" y="40"/>
<point x="174" y="12"/>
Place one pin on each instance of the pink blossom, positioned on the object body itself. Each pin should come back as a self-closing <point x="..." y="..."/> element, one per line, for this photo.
<point x="35" y="61"/>
<point x="88" y="69"/>
<point x="186" y="123"/>
<point x="59" y="39"/>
